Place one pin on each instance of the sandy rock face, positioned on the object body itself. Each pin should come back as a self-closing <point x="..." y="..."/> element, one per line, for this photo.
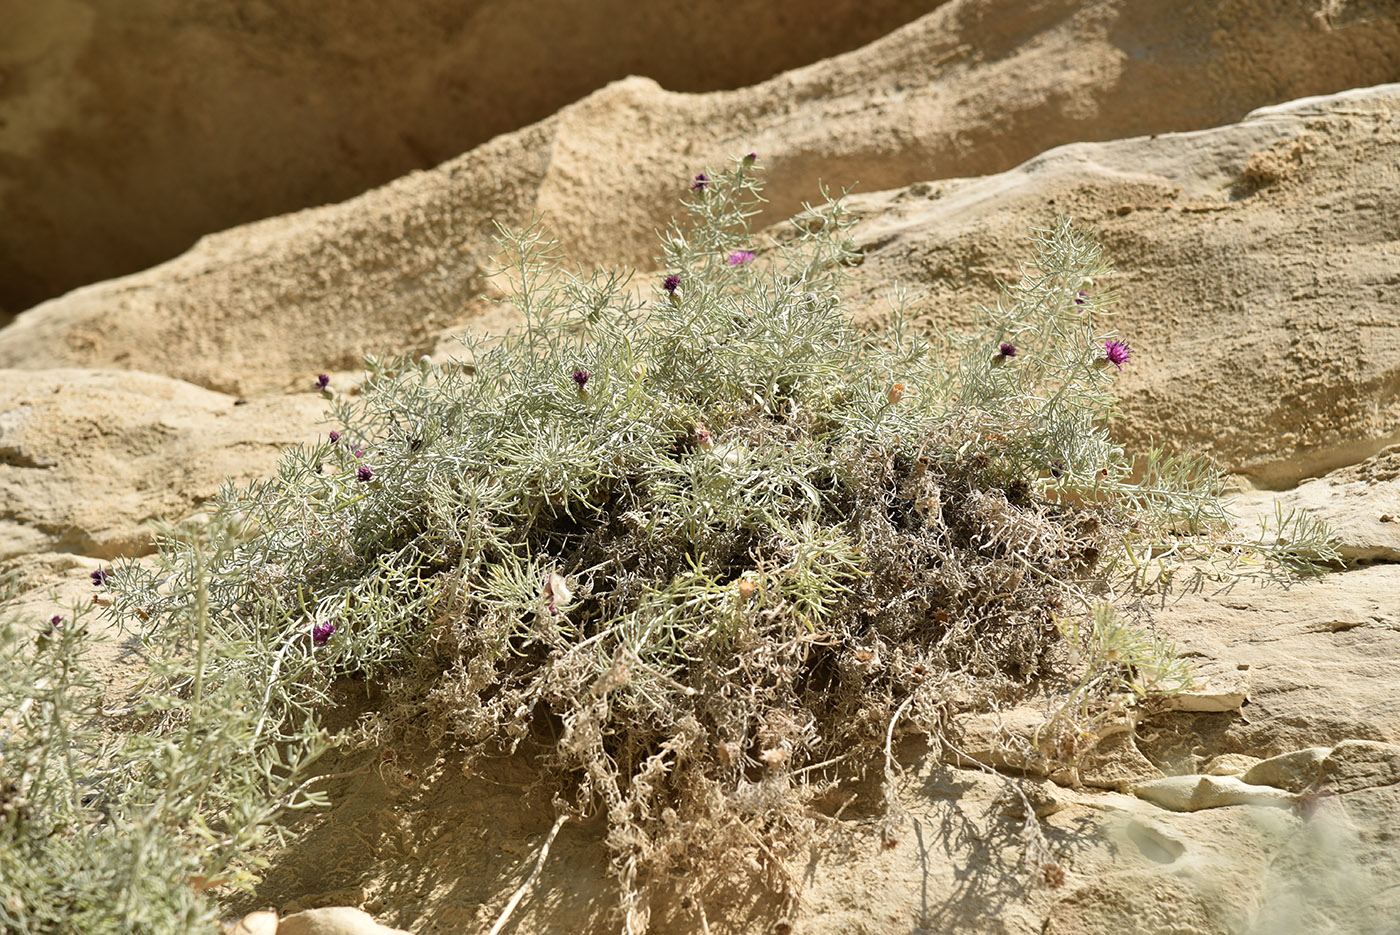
<point x="88" y="457"/>
<point x="246" y="109"/>
<point x="1258" y="280"/>
<point x="959" y="92"/>
<point x="1255" y="267"/>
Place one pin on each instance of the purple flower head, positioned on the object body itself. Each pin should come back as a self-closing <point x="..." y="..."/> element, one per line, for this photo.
<point x="702" y="181"/>
<point x="322" y="381"/>
<point x="1117" y="352"/>
<point x="322" y="632"/>
<point x="740" y="258"/>
<point x="365" y="473"/>
<point x="335" y="437"/>
<point x="56" y="621"/>
<point x="1008" y="350"/>
<point x="359" y="452"/>
<point x="751" y="158"/>
<point x="671" y="283"/>
<point x="1057" y="468"/>
<point x="581" y="378"/>
<point x="1079" y="299"/>
<point x="100" y="576"/>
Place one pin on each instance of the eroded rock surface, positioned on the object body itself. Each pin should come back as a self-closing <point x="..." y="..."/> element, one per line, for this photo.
<point x="1257" y="274"/>
<point x="1260" y="305"/>
<point x="88" y="458"/>
<point x="961" y="92"/>
<point x="133" y="127"/>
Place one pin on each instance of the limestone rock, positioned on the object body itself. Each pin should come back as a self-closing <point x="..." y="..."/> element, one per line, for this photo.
<point x="334" y="920"/>
<point x="1320" y="657"/>
<point x="1213" y="692"/>
<point x="1359" y="502"/>
<point x="275" y="111"/>
<point x="1293" y="771"/>
<point x="1360" y="764"/>
<point x="88" y="458"/>
<point x="262" y="922"/>
<point x="1232" y="764"/>
<point x="1193" y="793"/>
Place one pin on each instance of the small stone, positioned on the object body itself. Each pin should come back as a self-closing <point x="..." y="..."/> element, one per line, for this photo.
<point x="1193" y="793"/>
<point x="1293" y="771"/>
<point x="1218" y="693"/>
<point x="263" y="922"/>
<point x="334" y="920"/>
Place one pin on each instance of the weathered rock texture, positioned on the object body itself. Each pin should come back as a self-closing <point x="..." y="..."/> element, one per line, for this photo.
<point x="1257" y="271"/>
<point x="132" y="127"/>
<point x="975" y="87"/>
<point x="88" y="458"/>
<point x="1256" y="268"/>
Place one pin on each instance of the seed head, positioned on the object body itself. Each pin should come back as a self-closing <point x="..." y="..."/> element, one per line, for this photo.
<point x="322" y="632"/>
<point x="365" y="473"/>
<point x="896" y="393"/>
<point x="702" y="181"/>
<point x="740" y="258"/>
<point x="671" y="283"/>
<point x="1117" y="352"/>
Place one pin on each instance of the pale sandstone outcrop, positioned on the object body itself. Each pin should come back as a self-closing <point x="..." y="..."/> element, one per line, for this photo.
<point x="88" y="458"/>
<point x="974" y="87"/>
<point x="1257" y="273"/>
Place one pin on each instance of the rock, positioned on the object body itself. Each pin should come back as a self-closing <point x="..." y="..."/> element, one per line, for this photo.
<point x="263" y="922"/>
<point x="1213" y="692"/>
<point x="88" y="458"/>
<point x="1304" y="388"/>
<point x="334" y="920"/>
<point x="1293" y="771"/>
<point x="1193" y="793"/>
<point x="1360" y="503"/>
<point x="1321" y="663"/>
<point x="1360" y="764"/>
<point x="1232" y="764"/>
<point x="948" y="96"/>
<point x="260" y="122"/>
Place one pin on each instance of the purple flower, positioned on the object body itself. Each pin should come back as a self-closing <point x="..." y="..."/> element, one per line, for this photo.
<point x="335" y="437"/>
<point x="1117" y="352"/>
<point x="56" y="621"/>
<point x="740" y="258"/>
<point x="1057" y="468"/>
<point x="359" y="452"/>
<point x="581" y="378"/>
<point x="671" y="283"/>
<point x="702" y="181"/>
<point x="365" y="473"/>
<point x="322" y="632"/>
<point x="1008" y="350"/>
<point x="100" y="576"/>
<point x="1079" y="300"/>
<point x="751" y="158"/>
<point x="322" y="381"/>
